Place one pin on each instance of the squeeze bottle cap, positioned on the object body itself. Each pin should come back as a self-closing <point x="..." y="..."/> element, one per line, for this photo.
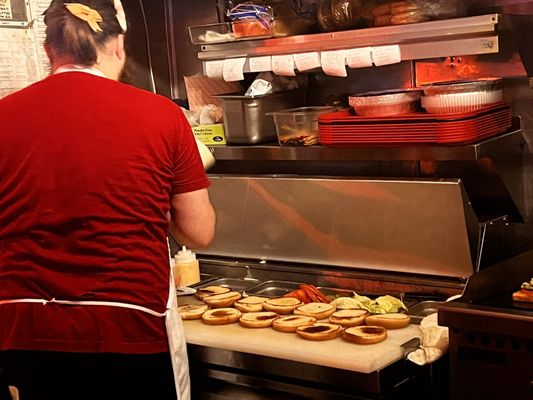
<point x="185" y="256"/>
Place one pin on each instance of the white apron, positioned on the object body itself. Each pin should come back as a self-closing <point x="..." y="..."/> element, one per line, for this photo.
<point x="174" y="328"/>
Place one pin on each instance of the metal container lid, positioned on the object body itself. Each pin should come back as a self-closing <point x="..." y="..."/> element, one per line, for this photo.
<point x="384" y="97"/>
<point x="309" y="110"/>
<point x="464" y="86"/>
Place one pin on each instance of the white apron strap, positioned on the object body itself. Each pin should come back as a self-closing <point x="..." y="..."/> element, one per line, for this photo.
<point x="176" y="341"/>
<point x="88" y="303"/>
<point x="178" y="349"/>
<point x="173" y="324"/>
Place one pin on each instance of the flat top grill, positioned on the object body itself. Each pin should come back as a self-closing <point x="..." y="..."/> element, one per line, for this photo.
<point x="503" y="301"/>
<point x="491" y="337"/>
<point x="487" y="305"/>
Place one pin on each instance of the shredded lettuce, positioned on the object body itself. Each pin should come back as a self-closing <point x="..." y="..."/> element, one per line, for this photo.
<point x="347" y="303"/>
<point x="381" y="305"/>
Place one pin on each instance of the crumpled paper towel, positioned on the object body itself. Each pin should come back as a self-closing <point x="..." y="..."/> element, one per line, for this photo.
<point x="259" y="87"/>
<point x="433" y="343"/>
<point x="268" y="82"/>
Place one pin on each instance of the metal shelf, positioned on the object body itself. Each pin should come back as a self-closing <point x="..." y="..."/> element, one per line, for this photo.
<point x="511" y="143"/>
<point x="460" y="36"/>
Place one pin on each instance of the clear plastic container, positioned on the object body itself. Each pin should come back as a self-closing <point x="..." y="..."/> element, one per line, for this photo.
<point x="299" y="126"/>
<point x="250" y="20"/>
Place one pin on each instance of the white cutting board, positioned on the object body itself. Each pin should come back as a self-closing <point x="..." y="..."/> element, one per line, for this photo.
<point x="335" y="353"/>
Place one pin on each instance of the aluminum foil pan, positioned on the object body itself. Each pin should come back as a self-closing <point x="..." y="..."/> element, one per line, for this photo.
<point x="450" y="87"/>
<point x="379" y="104"/>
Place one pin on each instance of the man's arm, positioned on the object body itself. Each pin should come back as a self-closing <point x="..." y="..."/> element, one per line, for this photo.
<point x="192" y="219"/>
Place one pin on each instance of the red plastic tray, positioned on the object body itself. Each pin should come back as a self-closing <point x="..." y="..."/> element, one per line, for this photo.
<point x="345" y="128"/>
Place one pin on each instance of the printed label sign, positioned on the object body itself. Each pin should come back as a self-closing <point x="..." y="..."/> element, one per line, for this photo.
<point x="5" y="9"/>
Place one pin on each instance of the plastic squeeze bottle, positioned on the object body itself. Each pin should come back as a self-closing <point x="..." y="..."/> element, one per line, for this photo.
<point x="186" y="269"/>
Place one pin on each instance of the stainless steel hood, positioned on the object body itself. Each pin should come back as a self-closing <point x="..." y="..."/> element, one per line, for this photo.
<point x="412" y="226"/>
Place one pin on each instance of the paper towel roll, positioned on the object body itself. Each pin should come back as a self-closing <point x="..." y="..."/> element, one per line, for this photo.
<point x="208" y="160"/>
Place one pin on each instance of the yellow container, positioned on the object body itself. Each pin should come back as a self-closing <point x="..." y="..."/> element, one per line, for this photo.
<point x="210" y="134"/>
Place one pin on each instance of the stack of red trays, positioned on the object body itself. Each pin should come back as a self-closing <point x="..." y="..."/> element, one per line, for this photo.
<point x="345" y="128"/>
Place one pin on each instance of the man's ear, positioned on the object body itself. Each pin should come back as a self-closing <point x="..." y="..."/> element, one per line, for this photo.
<point x="120" y="50"/>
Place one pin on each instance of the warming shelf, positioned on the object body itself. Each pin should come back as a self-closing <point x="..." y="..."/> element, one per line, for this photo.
<point x="459" y="36"/>
<point x="511" y="143"/>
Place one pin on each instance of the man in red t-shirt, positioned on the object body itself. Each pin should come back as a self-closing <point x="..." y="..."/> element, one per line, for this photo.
<point x="90" y="170"/>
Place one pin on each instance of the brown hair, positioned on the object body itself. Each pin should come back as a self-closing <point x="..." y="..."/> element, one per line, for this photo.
<point x="69" y="36"/>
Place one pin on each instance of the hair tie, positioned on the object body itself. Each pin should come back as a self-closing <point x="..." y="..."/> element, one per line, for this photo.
<point x="121" y="16"/>
<point x="87" y="14"/>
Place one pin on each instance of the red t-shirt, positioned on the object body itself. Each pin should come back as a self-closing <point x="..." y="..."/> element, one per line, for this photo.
<point x="87" y="169"/>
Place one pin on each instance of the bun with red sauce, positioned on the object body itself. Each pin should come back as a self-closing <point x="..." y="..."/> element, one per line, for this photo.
<point x="365" y="334"/>
<point x="319" y="331"/>
<point x="221" y="316"/>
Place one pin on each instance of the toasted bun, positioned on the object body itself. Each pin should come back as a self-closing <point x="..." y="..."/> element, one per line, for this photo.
<point x="315" y="310"/>
<point x="290" y="323"/>
<point x="221" y="316"/>
<point x="222" y="300"/>
<point x="319" y="331"/>
<point x="389" y="321"/>
<point x="364" y="334"/>
<point x="192" y="311"/>
<point x="282" y="305"/>
<point x="262" y="319"/>
<point x="250" y="304"/>
<point x="523" y="295"/>
<point x="201" y="293"/>
<point x="348" y="318"/>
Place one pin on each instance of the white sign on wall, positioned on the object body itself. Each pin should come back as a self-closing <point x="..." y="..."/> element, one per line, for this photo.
<point x="5" y="10"/>
<point x="23" y="60"/>
<point x="15" y="13"/>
